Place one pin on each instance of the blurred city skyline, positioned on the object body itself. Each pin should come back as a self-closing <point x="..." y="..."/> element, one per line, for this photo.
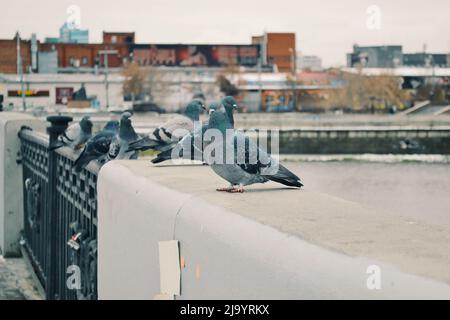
<point x="324" y="28"/>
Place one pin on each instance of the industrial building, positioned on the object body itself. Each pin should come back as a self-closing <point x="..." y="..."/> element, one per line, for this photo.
<point x="51" y="71"/>
<point x="375" y="56"/>
<point x="423" y="59"/>
<point x="274" y="50"/>
<point x="393" y="56"/>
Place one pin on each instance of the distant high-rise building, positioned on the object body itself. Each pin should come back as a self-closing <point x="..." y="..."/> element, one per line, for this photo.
<point x="375" y="57"/>
<point x="70" y="34"/>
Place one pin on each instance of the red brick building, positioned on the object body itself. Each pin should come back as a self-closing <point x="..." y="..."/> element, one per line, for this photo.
<point x="8" y="55"/>
<point x="86" y="55"/>
<point x="279" y="49"/>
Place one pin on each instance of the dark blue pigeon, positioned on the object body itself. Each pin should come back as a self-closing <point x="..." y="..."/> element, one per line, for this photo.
<point x="97" y="147"/>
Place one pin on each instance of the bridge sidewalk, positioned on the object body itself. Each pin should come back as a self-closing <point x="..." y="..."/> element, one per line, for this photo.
<point x="16" y="282"/>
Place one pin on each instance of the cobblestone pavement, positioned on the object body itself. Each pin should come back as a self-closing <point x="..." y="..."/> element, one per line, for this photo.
<point x="16" y="282"/>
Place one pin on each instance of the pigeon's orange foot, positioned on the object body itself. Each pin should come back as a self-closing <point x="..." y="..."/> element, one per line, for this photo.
<point x="239" y="189"/>
<point x="232" y="189"/>
<point x="227" y="189"/>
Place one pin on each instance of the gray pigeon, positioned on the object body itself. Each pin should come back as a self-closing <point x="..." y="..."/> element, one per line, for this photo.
<point x="230" y="105"/>
<point x="166" y="135"/>
<point x="249" y="163"/>
<point x="97" y="147"/>
<point x="195" y="138"/>
<point x="75" y="135"/>
<point x="120" y="144"/>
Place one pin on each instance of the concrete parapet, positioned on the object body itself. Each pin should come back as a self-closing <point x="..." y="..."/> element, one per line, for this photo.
<point x="268" y="243"/>
<point x="11" y="185"/>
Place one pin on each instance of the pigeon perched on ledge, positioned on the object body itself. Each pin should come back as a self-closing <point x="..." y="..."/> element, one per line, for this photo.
<point x="75" y="136"/>
<point x="97" y="147"/>
<point x="249" y="164"/>
<point x="168" y="133"/>
<point x="195" y="138"/>
<point x="119" y="146"/>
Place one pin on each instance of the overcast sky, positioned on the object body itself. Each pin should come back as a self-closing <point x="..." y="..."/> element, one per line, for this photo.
<point x="327" y="28"/>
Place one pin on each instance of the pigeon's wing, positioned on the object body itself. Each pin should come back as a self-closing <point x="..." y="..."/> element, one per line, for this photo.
<point x="95" y="148"/>
<point x="100" y="143"/>
<point x="166" y="136"/>
<point x="72" y="134"/>
<point x="70" y="137"/>
<point x="168" y="131"/>
<point x="254" y="160"/>
<point x="248" y="155"/>
<point x="84" y="137"/>
<point x="114" y="148"/>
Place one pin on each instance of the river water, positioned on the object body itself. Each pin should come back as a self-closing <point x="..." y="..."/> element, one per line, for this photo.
<point x="420" y="191"/>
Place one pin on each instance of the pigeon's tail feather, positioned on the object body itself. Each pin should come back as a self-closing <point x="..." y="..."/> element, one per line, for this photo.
<point x="82" y="160"/>
<point x="163" y="156"/>
<point x="143" y="144"/>
<point x="55" y="145"/>
<point x="286" y="177"/>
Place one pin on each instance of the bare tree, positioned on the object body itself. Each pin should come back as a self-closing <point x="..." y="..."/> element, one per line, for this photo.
<point x="231" y="71"/>
<point x="360" y="92"/>
<point x="135" y="78"/>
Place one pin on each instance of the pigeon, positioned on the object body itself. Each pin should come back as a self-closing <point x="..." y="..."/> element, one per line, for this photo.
<point x="230" y="105"/>
<point x="119" y="146"/>
<point x="75" y="136"/>
<point x="167" y="134"/>
<point x="195" y="138"/>
<point x="97" y="147"/>
<point x="249" y="163"/>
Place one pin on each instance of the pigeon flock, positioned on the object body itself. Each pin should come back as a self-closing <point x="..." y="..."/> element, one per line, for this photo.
<point x="180" y="137"/>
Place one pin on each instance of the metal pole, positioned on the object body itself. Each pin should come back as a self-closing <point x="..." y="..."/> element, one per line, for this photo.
<point x="295" y="79"/>
<point x="20" y="72"/>
<point x="105" y="62"/>
<point x="106" y="80"/>
<point x="294" y="74"/>
<point x="259" y="84"/>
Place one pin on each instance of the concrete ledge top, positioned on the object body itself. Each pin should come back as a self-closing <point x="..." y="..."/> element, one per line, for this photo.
<point x="335" y="224"/>
<point x="11" y="116"/>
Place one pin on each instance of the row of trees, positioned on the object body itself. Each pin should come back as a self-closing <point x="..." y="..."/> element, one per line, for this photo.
<point x="360" y="93"/>
<point x="356" y="92"/>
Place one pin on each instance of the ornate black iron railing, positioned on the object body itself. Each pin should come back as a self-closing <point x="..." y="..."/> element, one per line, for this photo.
<point x="60" y="222"/>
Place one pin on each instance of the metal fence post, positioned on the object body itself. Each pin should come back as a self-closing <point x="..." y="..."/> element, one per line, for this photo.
<point x="58" y="125"/>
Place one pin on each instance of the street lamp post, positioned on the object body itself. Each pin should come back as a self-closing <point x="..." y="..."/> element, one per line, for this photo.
<point x="105" y="54"/>
<point x="294" y="73"/>
<point x="20" y="71"/>
<point x="259" y="84"/>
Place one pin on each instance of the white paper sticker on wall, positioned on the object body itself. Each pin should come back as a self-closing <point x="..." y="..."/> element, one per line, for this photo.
<point x="169" y="267"/>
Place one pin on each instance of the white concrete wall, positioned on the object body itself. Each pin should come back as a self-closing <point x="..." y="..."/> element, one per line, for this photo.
<point x="11" y="187"/>
<point x="226" y="255"/>
<point x="94" y="84"/>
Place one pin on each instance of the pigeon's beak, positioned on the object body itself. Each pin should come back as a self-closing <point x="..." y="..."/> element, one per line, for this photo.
<point x="204" y="108"/>
<point x="211" y="111"/>
<point x="235" y="106"/>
